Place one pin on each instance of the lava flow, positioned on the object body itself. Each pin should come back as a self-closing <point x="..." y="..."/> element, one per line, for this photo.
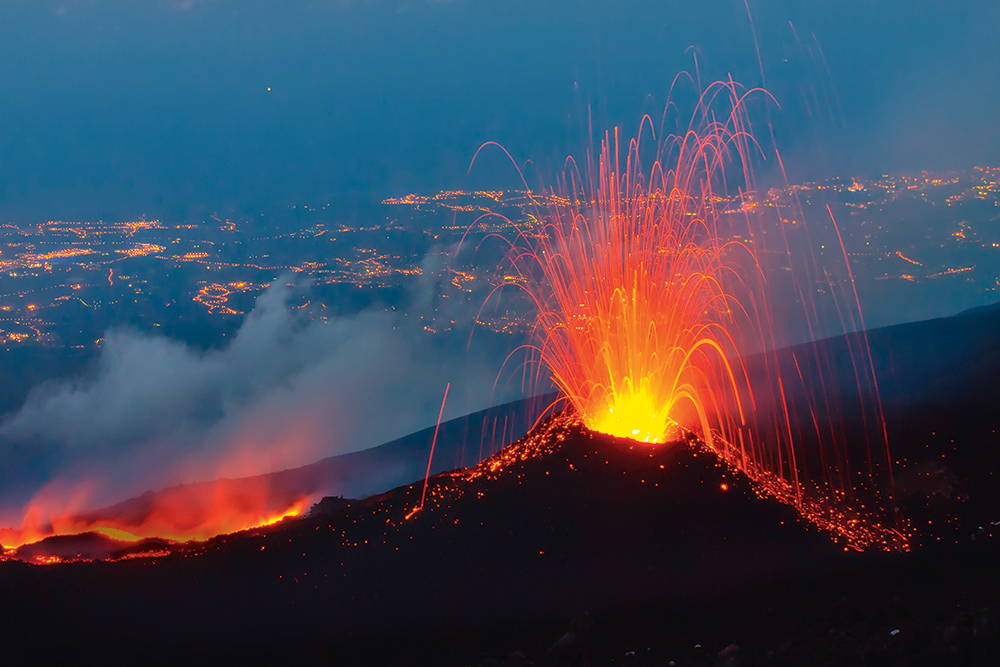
<point x="179" y="514"/>
<point x="649" y="290"/>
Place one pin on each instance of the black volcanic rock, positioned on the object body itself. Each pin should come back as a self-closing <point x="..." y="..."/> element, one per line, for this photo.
<point x="562" y="524"/>
<point x="86" y="546"/>
<point x="329" y="505"/>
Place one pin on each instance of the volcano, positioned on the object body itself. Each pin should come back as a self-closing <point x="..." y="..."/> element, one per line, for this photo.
<point x="572" y="547"/>
<point x="648" y="554"/>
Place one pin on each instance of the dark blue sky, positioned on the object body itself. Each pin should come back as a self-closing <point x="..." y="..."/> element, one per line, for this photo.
<point x="115" y="108"/>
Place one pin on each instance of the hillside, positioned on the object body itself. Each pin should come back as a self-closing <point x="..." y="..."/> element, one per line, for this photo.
<point x="660" y="546"/>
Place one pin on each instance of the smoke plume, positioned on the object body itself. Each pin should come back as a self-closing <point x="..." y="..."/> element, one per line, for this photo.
<point x="285" y="392"/>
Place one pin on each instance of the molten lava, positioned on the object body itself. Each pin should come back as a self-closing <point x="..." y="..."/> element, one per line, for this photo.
<point x="181" y="514"/>
<point x="649" y="290"/>
<point x="637" y="293"/>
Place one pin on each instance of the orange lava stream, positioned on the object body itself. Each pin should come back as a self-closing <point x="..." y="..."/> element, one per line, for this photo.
<point x="181" y="514"/>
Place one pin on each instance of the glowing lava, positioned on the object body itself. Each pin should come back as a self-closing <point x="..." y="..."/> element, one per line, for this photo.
<point x="649" y="291"/>
<point x="180" y="514"/>
<point x="636" y="291"/>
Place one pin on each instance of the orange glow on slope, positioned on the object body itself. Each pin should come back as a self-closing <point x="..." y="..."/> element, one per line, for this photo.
<point x="181" y="514"/>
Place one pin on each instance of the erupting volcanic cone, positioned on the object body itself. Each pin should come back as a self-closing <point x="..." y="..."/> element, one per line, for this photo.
<point x="651" y="298"/>
<point x="564" y="521"/>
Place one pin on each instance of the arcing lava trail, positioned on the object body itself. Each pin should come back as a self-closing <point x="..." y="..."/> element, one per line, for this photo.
<point x="650" y="291"/>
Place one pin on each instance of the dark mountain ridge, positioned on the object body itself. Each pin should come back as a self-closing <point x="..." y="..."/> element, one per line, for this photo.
<point x="649" y="548"/>
<point x="562" y="522"/>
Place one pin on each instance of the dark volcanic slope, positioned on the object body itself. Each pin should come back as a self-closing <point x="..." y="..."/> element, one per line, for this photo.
<point x="939" y="384"/>
<point x="663" y="547"/>
<point x="587" y="524"/>
<point x="461" y="441"/>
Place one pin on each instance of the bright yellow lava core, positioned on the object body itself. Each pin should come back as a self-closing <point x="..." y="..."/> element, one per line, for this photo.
<point x="635" y="416"/>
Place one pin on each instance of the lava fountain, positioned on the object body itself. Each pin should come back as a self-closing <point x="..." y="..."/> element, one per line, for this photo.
<point x="638" y="295"/>
<point x="653" y="318"/>
<point x="637" y="316"/>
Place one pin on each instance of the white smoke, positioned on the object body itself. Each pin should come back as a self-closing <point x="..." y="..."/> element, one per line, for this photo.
<point x="284" y="392"/>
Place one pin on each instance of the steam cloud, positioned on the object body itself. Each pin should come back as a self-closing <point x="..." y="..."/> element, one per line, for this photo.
<point x="284" y="392"/>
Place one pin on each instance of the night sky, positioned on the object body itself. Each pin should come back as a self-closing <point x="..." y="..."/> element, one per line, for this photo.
<point x="113" y="109"/>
